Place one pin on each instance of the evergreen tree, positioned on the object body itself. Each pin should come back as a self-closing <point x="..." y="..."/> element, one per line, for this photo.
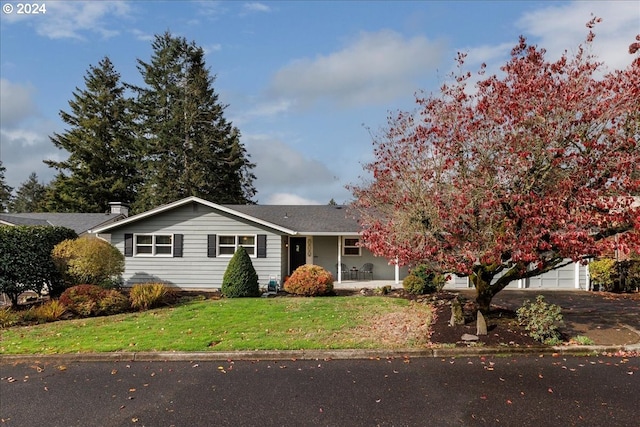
<point x="190" y="148"/>
<point x="5" y="191"/>
<point x="103" y="163"/>
<point x="30" y="197"/>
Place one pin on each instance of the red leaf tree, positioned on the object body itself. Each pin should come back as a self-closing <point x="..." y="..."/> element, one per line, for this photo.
<point x="524" y="173"/>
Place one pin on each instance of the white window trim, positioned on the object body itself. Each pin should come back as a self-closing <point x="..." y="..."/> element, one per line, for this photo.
<point x="153" y="245"/>
<point x="236" y="239"/>
<point x="345" y="247"/>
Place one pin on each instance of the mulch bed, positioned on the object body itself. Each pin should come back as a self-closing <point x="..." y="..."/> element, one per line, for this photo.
<point x="502" y="327"/>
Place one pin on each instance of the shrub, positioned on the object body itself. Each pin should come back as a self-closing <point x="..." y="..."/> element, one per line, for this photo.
<point x="539" y="318"/>
<point x="88" y="260"/>
<point x="150" y="295"/>
<point x="83" y="300"/>
<point x="310" y="280"/>
<point x="8" y="317"/>
<point x="25" y="260"/>
<point x="240" y="278"/>
<point x="603" y="273"/>
<point x="414" y="284"/>
<point x="433" y="282"/>
<point x="113" y="302"/>
<point x="51" y="311"/>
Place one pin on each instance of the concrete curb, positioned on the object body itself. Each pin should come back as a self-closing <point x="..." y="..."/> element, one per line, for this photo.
<point x="443" y="352"/>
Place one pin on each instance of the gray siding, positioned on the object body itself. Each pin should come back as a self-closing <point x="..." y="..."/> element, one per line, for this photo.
<point x="194" y="270"/>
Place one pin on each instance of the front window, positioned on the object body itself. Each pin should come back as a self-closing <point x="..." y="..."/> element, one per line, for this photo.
<point x="154" y="245"/>
<point x="227" y="245"/>
<point x="351" y="246"/>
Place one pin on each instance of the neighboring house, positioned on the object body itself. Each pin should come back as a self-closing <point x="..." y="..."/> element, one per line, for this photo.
<point x="78" y="222"/>
<point x="188" y="243"/>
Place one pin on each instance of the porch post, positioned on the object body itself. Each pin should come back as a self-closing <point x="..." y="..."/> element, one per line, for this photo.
<point x="576" y="272"/>
<point x="339" y="259"/>
<point x="396" y="271"/>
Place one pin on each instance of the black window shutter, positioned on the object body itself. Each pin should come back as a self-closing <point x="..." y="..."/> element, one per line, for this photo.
<point x="211" y="245"/>
<point x="262" y="246"/>
<point x="128" y="245"/>
<point x="177" y="245"/>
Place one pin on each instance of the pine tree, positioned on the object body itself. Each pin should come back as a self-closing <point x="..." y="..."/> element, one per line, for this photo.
<point x="5" y="191"/>
<point x="190" y="148"/>
<point x="103" y="162"/>
<point x="30" y="196"/>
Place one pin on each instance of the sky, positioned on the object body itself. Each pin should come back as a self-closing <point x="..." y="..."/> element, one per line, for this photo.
<point x="308" y="84"/>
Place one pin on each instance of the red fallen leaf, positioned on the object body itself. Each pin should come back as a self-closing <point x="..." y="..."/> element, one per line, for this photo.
<point x="483" y="397"/>
<point x="509" y="402"/>
<point x="550" y="390"/>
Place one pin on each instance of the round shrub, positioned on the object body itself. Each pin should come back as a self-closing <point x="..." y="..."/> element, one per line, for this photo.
<point x="433" y="282"/>
<point x="93" y="300"/>
<point x="82" y="299"/>
<point x="88" y="260"/>
<point x="603" y="273"/>
<point x="240" y="278"/>
<point x="414" y="284"/>
<point x="309" y="280"/>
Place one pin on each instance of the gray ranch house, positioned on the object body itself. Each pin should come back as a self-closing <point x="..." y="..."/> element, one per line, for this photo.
<point x="188" y="243"/>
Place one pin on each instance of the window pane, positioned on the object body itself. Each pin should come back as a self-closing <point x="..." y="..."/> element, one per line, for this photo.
<point x="351" y="242"/>
<point x="225" y="250"/>
<point x="144" y="240"/>
<point x="352" y="251"/>
<point x="246" y="240"/>
<point x="163" y="240"/>
<point x="249" y="249"/>
<point x="227" y="240"/>
<point x="163" y="250"/>
<point x="144" y="249"/>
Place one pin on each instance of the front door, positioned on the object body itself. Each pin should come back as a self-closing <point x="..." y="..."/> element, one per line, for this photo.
<point x="297" y="254"/>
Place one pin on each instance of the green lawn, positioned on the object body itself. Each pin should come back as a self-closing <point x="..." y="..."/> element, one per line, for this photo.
<point x="231" y="324"/>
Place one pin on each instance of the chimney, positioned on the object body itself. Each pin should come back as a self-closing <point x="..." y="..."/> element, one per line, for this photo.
<point x="119" y="208"/>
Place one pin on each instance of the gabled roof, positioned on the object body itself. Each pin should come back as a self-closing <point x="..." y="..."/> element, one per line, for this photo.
<point x="287" y="219"/>
<point x="78" y="222"/>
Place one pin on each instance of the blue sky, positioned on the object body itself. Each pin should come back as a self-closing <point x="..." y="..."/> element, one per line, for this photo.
<point x="304" y="81"/>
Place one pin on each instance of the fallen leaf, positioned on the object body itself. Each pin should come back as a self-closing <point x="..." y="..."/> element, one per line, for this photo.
<point x="550" y="390"/>
<point x="131" y="390"/>
<point x="114" y="371"/>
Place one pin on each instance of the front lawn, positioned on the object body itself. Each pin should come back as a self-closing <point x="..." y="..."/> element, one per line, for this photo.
<point x="236" y="324"/>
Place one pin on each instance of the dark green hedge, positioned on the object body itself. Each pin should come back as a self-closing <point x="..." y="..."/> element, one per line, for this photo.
<point x="25" y="259"/>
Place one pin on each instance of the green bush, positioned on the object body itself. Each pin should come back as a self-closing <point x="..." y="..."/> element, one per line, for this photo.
<point x="414" y="284"/>
<point x="240" y="278"/>
<point x="83" y="300"/>
<point x="603" y="273"/>
<point x="88" y="260"/>
<point x="25" y="260"/>
<point x="310" y="280"/>
<point x="431" y="281"/>
<point x="540" y="319"/>
<point x="150" y="295"/>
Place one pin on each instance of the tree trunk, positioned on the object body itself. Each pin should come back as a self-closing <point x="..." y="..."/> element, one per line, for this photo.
<point x="484" y="293"/>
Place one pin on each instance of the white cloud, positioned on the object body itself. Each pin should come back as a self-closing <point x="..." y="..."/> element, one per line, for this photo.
<point x="374" y="68"/>
<point x="256" y="7"/>
<point x="70" y="19"/>
<point x="289" y="199"/>
<point x="16" y="103"/>
<point x="561" y="27"/>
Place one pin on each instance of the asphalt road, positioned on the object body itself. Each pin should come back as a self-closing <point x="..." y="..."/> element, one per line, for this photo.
<point x="513" y="391"/>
